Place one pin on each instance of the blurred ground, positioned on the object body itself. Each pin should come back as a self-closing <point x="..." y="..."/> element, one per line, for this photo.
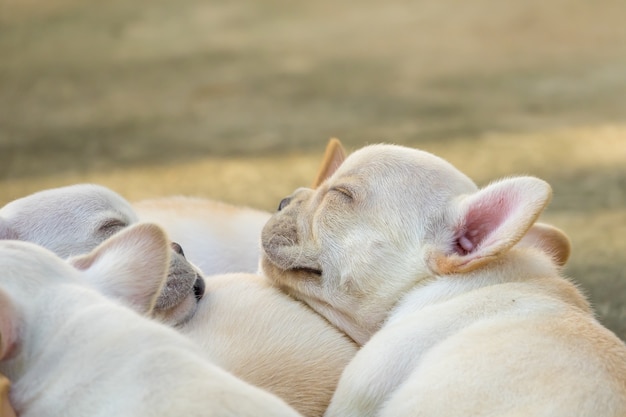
<point x="235" y="100"/>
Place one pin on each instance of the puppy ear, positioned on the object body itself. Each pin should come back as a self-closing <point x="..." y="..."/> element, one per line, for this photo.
<point x="549" y="239"/>
<point x="490" y="222"/>
<point x="333" y="158"/>
<point x="131" y="265"/>
<point x="6" y="231"/>
<point x="8" y="327"/>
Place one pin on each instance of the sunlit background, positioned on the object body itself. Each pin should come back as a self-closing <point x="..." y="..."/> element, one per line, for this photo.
<point x="235" y="100"/>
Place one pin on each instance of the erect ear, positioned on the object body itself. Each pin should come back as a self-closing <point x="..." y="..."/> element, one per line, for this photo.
<point x="6" y="231"/>
<point x="549" y="239"/>
<point x="490" y="222"/>
<point x="333" y="158"/>
<point x="9" y="332"/>
<point x="131" y="265"/>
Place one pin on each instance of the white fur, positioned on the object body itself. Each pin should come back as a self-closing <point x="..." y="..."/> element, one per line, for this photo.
<point x="71" y="351"/>
<point x="457" y="311"/>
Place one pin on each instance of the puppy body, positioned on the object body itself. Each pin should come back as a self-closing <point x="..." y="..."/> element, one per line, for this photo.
<point x="490" y="346"/>
<point x="250" y="328"/>
<point x="459" y="311"/>
<point x="71" y="351"/>
<point x="217" y="237"/>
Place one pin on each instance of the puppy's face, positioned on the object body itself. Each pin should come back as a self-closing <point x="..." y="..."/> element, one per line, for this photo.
<point x="351" y="246"/>
<point x="67" y="220"/>
<point x="74" y="220"/>
<point x="387" y="220"/>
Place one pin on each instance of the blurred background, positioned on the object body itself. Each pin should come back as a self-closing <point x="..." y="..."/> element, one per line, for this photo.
<point x="235" y="100"/>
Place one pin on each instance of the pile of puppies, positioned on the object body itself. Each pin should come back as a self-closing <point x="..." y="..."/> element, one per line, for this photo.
<point x="393" y="287"/>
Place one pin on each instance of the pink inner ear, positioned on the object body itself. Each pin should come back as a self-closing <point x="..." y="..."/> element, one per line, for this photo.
<point x="482" y="219"/>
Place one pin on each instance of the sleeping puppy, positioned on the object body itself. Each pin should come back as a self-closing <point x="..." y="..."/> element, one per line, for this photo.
<point x="75" y="219"/>
<point x="71" y="351"/>
<point x="449" y="288"/>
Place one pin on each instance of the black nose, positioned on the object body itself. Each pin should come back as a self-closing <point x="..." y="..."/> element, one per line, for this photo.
<point x="284" y="203"/>
<point x="198" y="288"/>
<point x="177" y="248"/>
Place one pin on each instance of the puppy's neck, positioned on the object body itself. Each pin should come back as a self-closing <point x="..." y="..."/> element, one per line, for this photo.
<point x="518" y="266"/>
<point x="358" y="324"/>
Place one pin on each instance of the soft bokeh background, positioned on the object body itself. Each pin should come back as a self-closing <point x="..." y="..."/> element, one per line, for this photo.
<point x="235" y="100"/>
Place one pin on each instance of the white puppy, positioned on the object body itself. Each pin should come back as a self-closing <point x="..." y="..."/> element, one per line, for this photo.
<point x="459" y="314"/>
<point x="75" y="219"/>
<point x="71" y="351"/>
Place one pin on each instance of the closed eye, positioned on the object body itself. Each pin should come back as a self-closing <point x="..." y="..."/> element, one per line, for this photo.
<point x="111" y="225"/>
<point x="344" y="191"/>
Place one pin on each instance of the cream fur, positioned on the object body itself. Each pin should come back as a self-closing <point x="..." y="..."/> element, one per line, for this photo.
<point x="459" y="313"/>
<point x="266" y="338"/>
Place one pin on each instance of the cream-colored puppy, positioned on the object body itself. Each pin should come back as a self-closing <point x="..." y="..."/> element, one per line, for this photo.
<point x="71" y="351"/>
<point x="459" y="313"/>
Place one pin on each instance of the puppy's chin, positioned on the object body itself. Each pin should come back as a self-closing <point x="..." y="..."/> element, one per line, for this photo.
<point x="290" y="258"/>
<point x="292" y="278"/>
<point x="179" y="314"/>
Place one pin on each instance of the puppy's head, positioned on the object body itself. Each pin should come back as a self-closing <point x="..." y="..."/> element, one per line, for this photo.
<point x="74" y="220"/>
<point x="388" y="219"/>
<point x="106" y="268"/>
<point x="67" y="220"/>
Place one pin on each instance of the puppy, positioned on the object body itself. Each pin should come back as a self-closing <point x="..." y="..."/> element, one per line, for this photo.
<point x="75" y="219"/>
<point x="71" y="351"/>
<point x="458" y="312"/>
